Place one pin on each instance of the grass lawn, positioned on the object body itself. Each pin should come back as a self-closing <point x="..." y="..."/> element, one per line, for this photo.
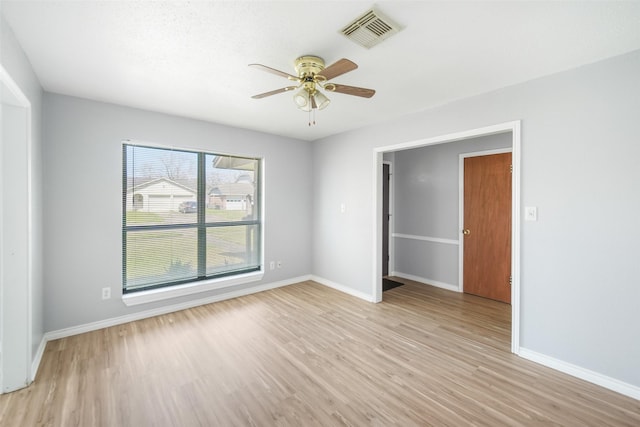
<point x="138" y="217"/>
<point x="220" y="215"/>
<point x="173" y="217"/>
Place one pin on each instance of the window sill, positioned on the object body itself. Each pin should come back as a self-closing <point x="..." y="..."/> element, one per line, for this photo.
<point x="144" y="297"/>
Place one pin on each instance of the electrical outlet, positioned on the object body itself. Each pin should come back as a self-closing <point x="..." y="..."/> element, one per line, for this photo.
<point x="106" y="293"/>
<point x="272" y="265"/>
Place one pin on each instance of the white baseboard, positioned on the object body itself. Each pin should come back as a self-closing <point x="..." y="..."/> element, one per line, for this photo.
<point x="582" y="373"/>
<point x="101" y="324"/>
<point x="343" y="288"/>
<point x="424" y="280"/>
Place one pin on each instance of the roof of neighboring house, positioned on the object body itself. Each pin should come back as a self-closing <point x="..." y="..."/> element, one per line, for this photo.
<point x="241" y="188"/>
<point x="232" y="189"/>
<point x="134" y="184"/>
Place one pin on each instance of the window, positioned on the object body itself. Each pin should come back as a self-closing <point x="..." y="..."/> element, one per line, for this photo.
<point x="188" y="216"/>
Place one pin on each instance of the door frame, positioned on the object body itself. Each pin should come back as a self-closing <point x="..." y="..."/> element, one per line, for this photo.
<point x="20" y="312"/>
<point x="512" y="127"/>
<point x="461" y="158"/>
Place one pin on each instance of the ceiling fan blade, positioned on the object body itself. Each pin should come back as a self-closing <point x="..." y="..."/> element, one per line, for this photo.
<point x="338" y="68"/>
<point x="274" y="71"/>
<point x="274" y="92"/>
<point x="351" y="90"/>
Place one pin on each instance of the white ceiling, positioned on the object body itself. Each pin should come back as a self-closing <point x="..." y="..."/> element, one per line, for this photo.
<point x="189" y="58"/>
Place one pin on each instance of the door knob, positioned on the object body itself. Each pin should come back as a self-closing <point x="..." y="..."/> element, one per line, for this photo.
<point x="466" y="231"/>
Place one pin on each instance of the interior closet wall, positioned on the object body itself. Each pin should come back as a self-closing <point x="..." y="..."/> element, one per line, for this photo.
<point x="426" y="208"/>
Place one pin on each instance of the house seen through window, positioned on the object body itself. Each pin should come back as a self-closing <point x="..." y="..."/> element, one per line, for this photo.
<point x="188" y="216"/>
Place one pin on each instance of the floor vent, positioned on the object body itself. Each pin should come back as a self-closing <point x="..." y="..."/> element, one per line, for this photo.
<point x="370" y="29"/>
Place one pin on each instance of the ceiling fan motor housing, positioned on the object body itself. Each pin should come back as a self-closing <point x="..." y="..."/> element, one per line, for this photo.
<point x="309" y="66"/>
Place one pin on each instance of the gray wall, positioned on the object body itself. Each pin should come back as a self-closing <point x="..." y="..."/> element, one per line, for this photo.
<point x="580" y="291"/>
<point x="579" y="261"/>
<point x="83" y="186"/>
<point x="426" y="204"/>
<point x="19" y="68"/>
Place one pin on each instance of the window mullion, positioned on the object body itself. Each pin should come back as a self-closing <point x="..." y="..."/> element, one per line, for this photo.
<point x="202" y="230"/>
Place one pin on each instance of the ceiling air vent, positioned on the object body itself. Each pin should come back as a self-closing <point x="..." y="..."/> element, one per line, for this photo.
<point x="370" y="29"/>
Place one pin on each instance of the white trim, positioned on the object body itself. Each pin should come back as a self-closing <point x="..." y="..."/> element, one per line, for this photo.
<point x="461" y="158"/>
<point x="514" y="128"/>
<point x="451" y="137"/>
<point x="30" y="245"/>
<point x="342" y="288"/>
<point x="38" y="358"/>
<point x="14" y="89"/>
<point x="376" y="289"/>
<point x="21" y="101"/>
<point x="101" y="324"/>
<point x="165" y="146"/>
<point x="515" y="237"/>
<point x="428" y="282"/>
<point x="582" y="373"/>
<point x="152" y="295"/>
<point x="426" y="238"/>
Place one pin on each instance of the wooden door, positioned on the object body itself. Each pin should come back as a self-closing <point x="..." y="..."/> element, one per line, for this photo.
<point x="385" y="219"/>
<point x="487" y="226"/>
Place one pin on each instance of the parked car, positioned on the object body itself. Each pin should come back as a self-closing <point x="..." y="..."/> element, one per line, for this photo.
<point x="188" y="207"/>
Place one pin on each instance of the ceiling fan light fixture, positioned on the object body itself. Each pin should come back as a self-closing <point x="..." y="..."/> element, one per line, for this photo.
<point x="321" y="100"/>
<point x="301" y="98"/>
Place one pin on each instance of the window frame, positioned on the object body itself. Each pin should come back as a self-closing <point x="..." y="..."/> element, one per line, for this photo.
<point x="202" y="282"/>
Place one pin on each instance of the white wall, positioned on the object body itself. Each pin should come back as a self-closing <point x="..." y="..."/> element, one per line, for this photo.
<point x="580" y="148"/>
<point x="426" y="204"/>
<point x="19" y="68"/>
<point x="83" y="201"/>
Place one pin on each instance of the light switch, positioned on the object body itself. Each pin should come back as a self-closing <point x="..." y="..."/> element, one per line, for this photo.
<point x="343" y="208"/>
<point x="530" y="213"/>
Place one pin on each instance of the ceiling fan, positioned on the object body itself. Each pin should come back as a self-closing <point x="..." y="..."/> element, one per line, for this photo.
<point x="313" y="76"/>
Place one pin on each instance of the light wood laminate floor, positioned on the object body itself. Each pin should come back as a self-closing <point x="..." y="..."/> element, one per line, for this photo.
<point x="307" y="355"/>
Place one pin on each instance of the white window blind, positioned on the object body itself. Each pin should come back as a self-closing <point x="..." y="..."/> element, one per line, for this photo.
<point x="188" y="216"/>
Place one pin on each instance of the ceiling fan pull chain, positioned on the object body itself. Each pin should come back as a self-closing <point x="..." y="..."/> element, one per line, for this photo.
<point x="313" y="110"/>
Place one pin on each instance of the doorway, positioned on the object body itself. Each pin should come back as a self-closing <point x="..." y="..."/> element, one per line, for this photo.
<point x="386" y="216"/>
<point x="511" y="128"/>
<point x="485" y="205"/>
<point x="388" y="283"/>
